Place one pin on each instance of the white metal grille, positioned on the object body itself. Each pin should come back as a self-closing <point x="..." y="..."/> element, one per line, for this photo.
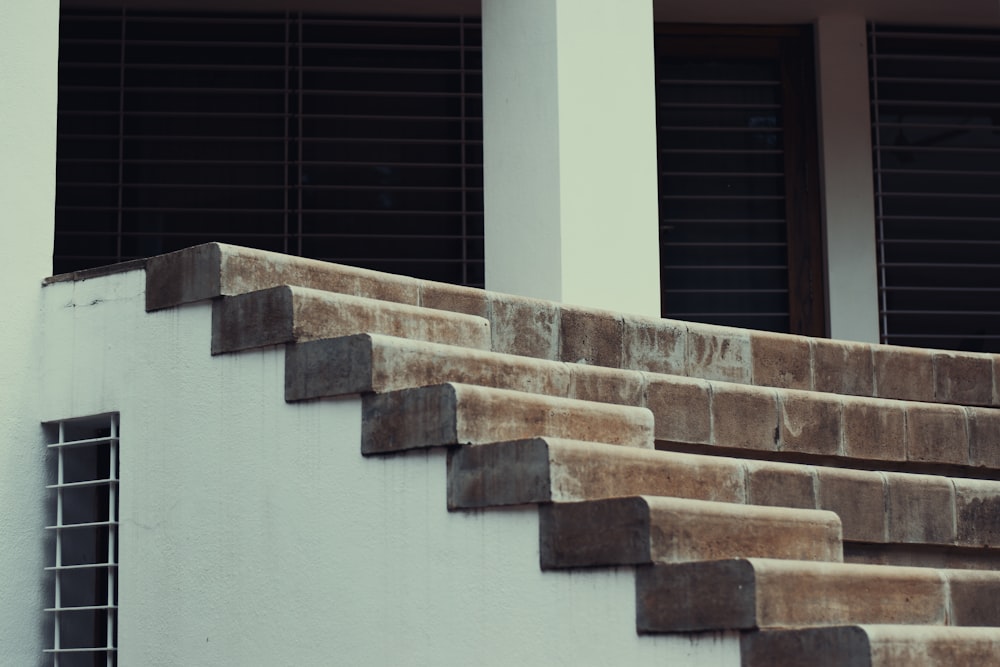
<point x="84" y="568"/>
<point x="936" y="140"/>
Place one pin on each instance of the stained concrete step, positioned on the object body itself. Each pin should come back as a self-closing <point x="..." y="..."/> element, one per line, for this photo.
<point x="288" y="314"/>
<point x="458" y="414"/>
<point x="779" y="423"/>
<point x="650" y="529"/>
<point x="749" y="594"/>
<point x="872" y="646"/>
<point x="882" y="513"/>
<point x="546" y="330"/>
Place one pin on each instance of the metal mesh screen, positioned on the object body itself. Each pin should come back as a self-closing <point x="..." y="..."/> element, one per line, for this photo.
<point x="936" y="140"/>
<point x="351" y="140"/>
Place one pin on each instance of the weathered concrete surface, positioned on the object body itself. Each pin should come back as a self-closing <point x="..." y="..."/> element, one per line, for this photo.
<point x="653" y="529"/>
<point x="547" y="330"/>
<point x="759" y="593"/>
<point x="872" y="646"/>
<point x="458" y="414"/>
<point x="288" y="314"/>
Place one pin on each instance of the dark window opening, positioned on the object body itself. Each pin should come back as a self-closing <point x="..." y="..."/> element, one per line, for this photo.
<point x="357" y="141"/>
<point x="936" y="140"/>
<point x="740" y="240"/>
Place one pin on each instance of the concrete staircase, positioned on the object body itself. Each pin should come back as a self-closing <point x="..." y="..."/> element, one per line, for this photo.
<point x="838" y="503"/>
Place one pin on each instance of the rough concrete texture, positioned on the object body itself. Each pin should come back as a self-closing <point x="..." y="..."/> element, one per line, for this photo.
<point x="570" y="471"/>
<point x="963" y="378"/>
<point x="921" y="509"/>
<point x="904" y="373"/>
<point x="781" y="360"/>
<point x="874" y="430"/>
<point x="936" y="434"/>
<point x="842" y="367"/>
<point x="287" y="314"/>
<point x="456" y="414"/>
<point x="654" y="345"/>
<point x="745" y="417"/>
<point x="718" y="353"/>
<point x="372" y="362"/>
<point x="859" y="498"/>
<point x="781" y="485"/>
<point x="589" y="336"/>
<point x="984" y="437"/>
<point x="759" y="593"/>
<point x="975" y="597"/>
<point x="682" y="407"/>
<point x="528" y="327"/>
<point x="871" y="646"/>
<point x="810" y="423"/>
<point x="649" y="529"/>
<point x="977" y="513"/>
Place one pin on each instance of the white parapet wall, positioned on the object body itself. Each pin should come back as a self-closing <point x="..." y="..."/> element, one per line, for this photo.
<point x="253" y="532"/>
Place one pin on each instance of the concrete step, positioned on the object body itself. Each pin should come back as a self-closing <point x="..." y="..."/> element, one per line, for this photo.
<point x="287" y="314"/>
<point x="546" y="330"/>
<point x="750" y="594"/>
<point x="713" y="415"/>
<point x="650" y="529"/>
<point x="458" y="414"/>
<point x="872" y="646"/>
<point x="887" y="517"/>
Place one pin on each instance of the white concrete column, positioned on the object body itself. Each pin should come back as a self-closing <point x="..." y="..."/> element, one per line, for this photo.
<point x="28" y="80"/>
<point x="570" y="152"/>
<point x="846" y="164"/>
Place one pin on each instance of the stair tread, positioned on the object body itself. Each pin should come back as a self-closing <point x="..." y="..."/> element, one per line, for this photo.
<point x="457" y="414"/>
<point x="568" y="333"/>
<point x="542" y="470"/>
<point x="646" y="529"/>
<point x="750" y="593"/>
<point x="692" y="412"/>
<point x="872" y="646"/>
<point x="286" y="314"/>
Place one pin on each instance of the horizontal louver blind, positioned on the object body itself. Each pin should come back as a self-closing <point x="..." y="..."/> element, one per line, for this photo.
<point x="723" y="237"/>
<point x="351" y="140"/>
<point x="936" y="135"/>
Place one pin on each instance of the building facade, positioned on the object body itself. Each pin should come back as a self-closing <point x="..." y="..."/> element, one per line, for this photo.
<point x="826" y="168"/>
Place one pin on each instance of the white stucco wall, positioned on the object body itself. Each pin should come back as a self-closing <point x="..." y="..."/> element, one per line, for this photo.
<point x="28" y="52"/>
<point x="254" y="533"/>
<point x="846" y="169"/>
<point x="569" y="165"/>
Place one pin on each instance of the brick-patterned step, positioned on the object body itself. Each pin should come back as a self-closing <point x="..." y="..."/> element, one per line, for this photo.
<point x="777" y="422"/>
<point x="457" y="414"/>
<point x="650" y="529"/>
<point x="547" y="330"/>
<point x="288" y="314"/>
<point x="890" y="509"/>
<point x="749" y="594"/>
<point x="872" y="646"/>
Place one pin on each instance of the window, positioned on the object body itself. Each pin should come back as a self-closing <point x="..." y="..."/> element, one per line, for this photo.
<point x="740" y="240"/>
<point x="936" y="139"/>
<point x="84" y="528"/>
<point x="351" y="140"/>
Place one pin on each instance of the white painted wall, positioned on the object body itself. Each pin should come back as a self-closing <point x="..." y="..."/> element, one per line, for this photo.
<point x="28" y="50"/>
<point x="846" y="168"/>
<point x="570" y="152"/>
<point x="254" y="533"/>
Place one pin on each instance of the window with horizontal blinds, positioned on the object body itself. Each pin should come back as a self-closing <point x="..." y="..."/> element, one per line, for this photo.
<point x="936" y="139"/>
<point x="351" y="140"/>
<point x="739" y="223"/>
